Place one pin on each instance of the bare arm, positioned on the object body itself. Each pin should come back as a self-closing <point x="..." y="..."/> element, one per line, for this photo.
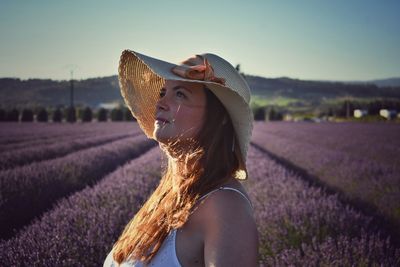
<point x="230" y="237"/>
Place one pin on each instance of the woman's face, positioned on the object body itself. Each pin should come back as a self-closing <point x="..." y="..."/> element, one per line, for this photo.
<point x="180" y="111"/>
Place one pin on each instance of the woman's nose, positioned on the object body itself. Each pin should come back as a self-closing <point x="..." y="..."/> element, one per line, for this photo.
<point x="162" y="103"/>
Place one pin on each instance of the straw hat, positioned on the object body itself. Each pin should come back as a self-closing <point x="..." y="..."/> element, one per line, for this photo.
<point x="141" y="77"/>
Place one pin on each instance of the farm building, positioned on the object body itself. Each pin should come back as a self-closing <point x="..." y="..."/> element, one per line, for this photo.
<point x="358" y="113"/>
<point x="108" y="106"/>
<point x="388" y="113"/>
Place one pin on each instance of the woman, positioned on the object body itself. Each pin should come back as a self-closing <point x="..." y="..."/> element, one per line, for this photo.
<point x="200" y="214"/>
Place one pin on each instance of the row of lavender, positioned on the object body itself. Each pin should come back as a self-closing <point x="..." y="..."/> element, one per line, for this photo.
<point x="299" y="225"/>
<point x="12" y="132"/>
<point x="63" y="146"/>
<point x="59" y="169"/>
<point x="47" y="138"/>
<point x="359" y="160"/>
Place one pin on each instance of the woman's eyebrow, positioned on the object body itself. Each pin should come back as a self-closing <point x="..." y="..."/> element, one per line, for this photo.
<point x="180" y="86"/>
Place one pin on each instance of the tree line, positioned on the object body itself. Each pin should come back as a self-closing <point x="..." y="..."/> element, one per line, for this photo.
<point x="123" y="114"/>
<point x="65" y="114"/>
<point x="346" y="108"/>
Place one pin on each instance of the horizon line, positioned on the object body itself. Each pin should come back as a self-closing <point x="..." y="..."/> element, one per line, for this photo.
<point x="277" y="77"/>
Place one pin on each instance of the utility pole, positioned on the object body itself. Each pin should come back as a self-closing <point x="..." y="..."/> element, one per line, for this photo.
<point x="71" y="116"/>
<point x="72" y="90"/>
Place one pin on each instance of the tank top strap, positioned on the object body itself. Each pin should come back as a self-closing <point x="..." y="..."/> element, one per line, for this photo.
<point x="225" y="188"/>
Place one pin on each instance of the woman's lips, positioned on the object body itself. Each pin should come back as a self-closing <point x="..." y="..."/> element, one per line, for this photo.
<point x="162" y="120"/>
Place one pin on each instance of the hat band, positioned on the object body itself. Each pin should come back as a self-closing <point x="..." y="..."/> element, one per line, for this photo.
<point x="197" y="68"/>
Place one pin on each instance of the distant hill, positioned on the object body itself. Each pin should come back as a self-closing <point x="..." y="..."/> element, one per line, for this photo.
<point x="382" y="82"/>
<point x="91" y="92"/>
<point x="315" y="90"/>
<point x="50" y="93"/>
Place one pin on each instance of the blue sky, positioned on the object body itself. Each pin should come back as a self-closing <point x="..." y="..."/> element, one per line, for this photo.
<point x="313" y="40"/>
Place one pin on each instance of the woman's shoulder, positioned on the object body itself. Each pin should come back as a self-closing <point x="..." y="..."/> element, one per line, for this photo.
<point x="227" y="218"/>
<point x="228" y="203"/>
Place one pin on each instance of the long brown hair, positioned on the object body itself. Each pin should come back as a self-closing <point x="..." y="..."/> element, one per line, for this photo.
<point x="209" y="163"/>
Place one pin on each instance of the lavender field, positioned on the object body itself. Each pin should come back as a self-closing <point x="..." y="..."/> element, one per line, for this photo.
<point x="299" y="224"/>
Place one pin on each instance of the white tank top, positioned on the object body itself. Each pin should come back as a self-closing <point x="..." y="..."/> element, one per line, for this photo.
<point x="166" y="255"/>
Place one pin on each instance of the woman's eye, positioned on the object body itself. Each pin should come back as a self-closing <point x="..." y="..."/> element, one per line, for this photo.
<point x="162" y="93"/>
<point x="180" y="94"/>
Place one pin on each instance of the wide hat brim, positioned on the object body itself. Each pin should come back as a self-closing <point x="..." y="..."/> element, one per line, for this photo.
<point x="141" y="77"/>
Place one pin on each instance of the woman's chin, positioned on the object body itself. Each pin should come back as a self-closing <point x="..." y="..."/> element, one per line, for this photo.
<point x="161" y="138"/>
<point x="172" y="140"/>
